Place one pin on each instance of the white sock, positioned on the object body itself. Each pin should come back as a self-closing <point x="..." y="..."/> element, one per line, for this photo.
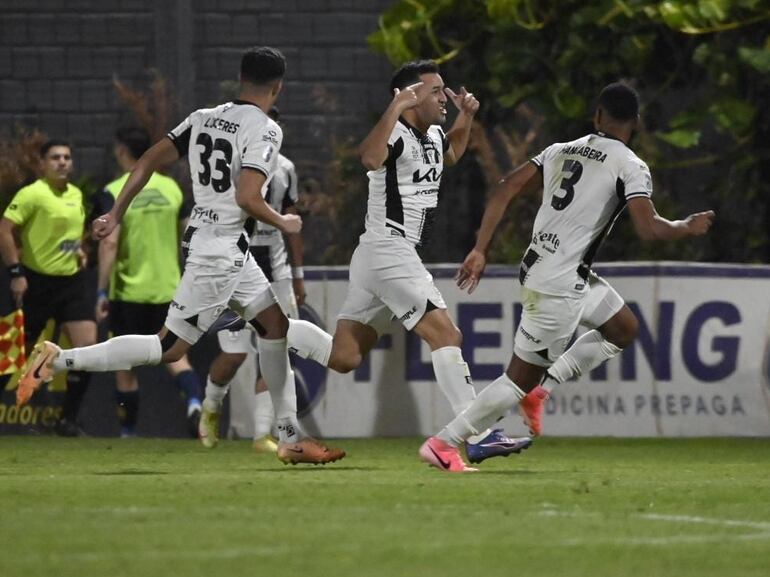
<point x="309" y="341"/>
<point x="491" y="404"/>
<point x="586" y="353"/>
<point x="264" y="415"/>
<point x="274" y="366"/>
<point x="215" y="395"/>
<point x="454" y="380"/>
<point x="117" y="354"/>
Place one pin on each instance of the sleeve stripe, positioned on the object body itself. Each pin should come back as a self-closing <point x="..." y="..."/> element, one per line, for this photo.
<point x="536" y="162"/>
<point x="635" y="194"/>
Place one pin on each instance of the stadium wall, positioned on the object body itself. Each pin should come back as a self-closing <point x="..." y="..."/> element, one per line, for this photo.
<point x="58" y="59"/>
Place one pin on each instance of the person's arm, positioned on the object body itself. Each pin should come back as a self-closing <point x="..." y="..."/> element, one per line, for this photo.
<point x="296" y="246"/>
<point x="525" y="178"/>
<point x="248" y="195"/>
<point x="459" y="134"/>
<point x="158" y="156"/>
<point x="649" y="225"/>
<point x="108" y="251"/>
<point x="10" y="255"/>
<point x="374" y="148"/>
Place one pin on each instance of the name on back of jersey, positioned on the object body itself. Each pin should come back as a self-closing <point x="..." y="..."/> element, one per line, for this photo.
<point x="222" y="124"/>
<point x="585" y="152"/>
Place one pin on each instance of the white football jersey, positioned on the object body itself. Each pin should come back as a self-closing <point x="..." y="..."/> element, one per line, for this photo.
<point x="219" y="143"/>
<point x="586" y="184"/>
<point x="403" y="193"/>
<point x="281" y="193"/>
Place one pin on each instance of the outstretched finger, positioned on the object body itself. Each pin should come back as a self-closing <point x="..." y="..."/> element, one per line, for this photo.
<point x="416" y="86"/>
<point x="450" y="93"/>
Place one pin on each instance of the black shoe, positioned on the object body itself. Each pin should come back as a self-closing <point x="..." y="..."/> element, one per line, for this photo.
<point x="193" y="419"/>
<point x="67" y="428"/>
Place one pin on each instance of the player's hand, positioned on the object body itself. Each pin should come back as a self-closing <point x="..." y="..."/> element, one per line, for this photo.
<point x="291" y="223"/>
<point x="470" y="272"/>
<point x="409" y="97"/>
<point x="82" y="258"/>
<point x="102" y="308"/>
<point x="700" y="222"/>
<point x="298" y="284"/>
<point x="465" y="101"/>
<point x="103" y="226"/>
<point x="19" y="286"/>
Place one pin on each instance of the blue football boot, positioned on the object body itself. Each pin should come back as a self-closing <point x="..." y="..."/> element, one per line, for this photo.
<point x="495" y="444"/>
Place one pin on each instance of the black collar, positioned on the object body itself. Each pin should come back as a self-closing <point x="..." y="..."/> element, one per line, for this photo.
<point x="244" y="102"/>
<point x="417" y="133"/>
<point x="605" y="135"/>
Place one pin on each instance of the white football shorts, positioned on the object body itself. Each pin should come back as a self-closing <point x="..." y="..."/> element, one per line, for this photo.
<point x="218" y="274"/>
<point x="388" y="281"/>
<point x="548" y="322"/>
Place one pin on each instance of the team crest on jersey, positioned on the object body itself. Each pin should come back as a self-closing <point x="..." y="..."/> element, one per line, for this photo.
<point x="271" y="136"/>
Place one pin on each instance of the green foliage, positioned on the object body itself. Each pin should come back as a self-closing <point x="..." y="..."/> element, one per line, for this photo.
<point x="701" y="66"/>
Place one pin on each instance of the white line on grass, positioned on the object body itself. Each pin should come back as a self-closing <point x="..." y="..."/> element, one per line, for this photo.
<point x="762" y="527"/>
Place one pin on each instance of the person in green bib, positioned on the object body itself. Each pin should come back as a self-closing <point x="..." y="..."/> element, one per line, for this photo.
<point x="47" y="219"/>
<point x="139" y="262"/>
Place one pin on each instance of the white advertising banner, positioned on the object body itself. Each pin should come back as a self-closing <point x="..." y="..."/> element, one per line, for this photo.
<point x="698" y="368"/>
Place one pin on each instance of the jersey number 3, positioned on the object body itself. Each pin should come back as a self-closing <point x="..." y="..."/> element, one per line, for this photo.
<point x="221" y="164"/>
<point x="575" y="170"/>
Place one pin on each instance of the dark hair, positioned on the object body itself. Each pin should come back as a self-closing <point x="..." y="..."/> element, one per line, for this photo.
<point x="274" y="113"/>
<point x="49" y="144"/>
<point x="262" y="65"/>
<point x="135" y="138"/>
<point x="620" y="101"/>
<point x="409" y="73"/>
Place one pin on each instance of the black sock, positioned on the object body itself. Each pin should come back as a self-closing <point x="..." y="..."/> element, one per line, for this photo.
<point x="128" y="409"/>
<point x="77" y="384"/>
<point x="189" y="383"/>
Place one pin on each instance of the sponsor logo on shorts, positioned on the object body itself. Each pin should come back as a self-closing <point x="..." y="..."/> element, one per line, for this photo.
<point x="529" y="336"/>
<point x="238" y="263"/>
<point x="408" y="314"/>
<point x="176" y="305"/>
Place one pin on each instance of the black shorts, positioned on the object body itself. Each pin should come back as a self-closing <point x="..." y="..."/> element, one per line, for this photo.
<point x="62" y="298"/>
<point x="136" y="318"/>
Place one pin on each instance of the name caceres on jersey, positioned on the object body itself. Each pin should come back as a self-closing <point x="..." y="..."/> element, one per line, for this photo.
<point x="586" y="184"/>
<point x="403" y="193"/>
<point x="220" y="142"/>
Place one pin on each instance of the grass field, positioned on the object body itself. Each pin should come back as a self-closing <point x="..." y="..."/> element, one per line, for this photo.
<point x="567" y="507"/>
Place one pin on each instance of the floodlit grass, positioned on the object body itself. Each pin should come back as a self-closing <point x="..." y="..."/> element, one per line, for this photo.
<point x="566" y="507"/>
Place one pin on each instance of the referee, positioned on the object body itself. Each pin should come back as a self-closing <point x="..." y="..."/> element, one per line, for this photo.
<point x="46" y="265"/>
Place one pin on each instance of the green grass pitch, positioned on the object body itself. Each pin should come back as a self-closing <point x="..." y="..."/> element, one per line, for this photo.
<point x="566" y="507"/>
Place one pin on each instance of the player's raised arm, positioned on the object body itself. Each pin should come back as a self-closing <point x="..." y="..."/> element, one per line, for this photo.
<point x="649" y="225"/>
<point x="159" y="155"/>
<point x="458" y="135"/>
<point x="525" y="178"/>
<point x="374" y="148"/>
<point x="248" y="195"/>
